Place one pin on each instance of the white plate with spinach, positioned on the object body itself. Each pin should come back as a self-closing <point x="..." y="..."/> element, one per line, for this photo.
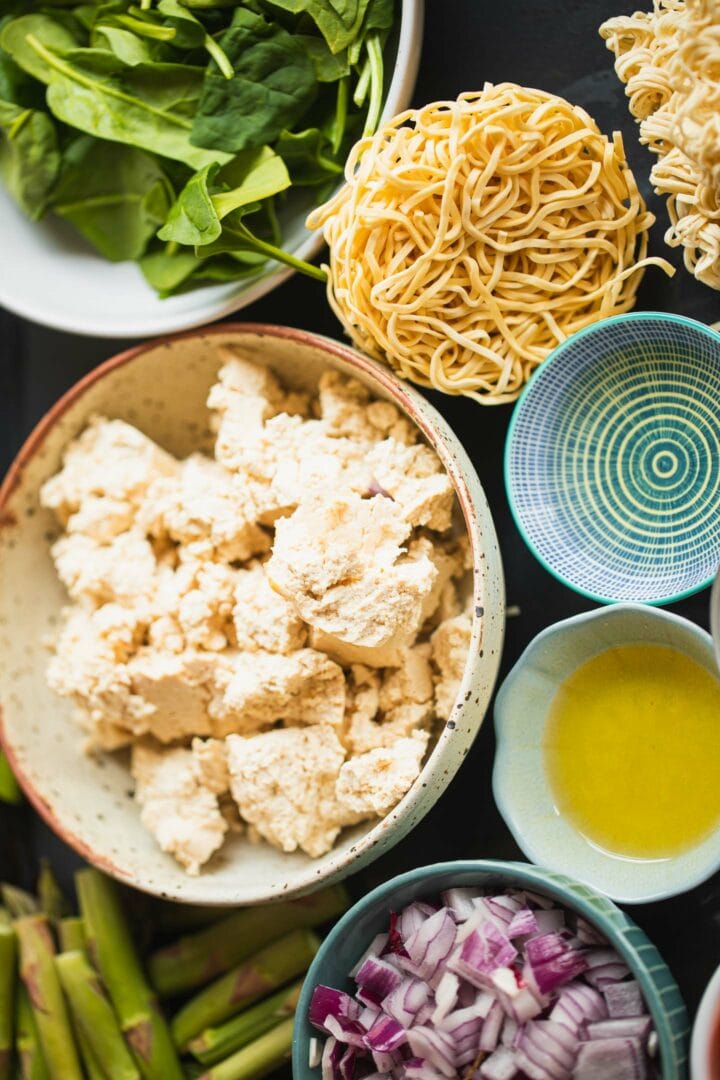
<point x="158" y="158"/>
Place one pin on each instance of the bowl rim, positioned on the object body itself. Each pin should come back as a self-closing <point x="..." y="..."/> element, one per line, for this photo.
<point x="707" y="1017"/>
<point x="503" y="763"/>
<point x="436" y="430"/>
<point x="399" y="93"/>
<point x="593" y="905"/>
<point x="554" y="356"/>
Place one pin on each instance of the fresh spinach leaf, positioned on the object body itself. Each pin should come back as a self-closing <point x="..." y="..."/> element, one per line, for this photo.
<point x="17" y="86"/>
<point x="116" y="196"/>
<point x="167" y="270"/>
<point x="339" y="21"/>
<point x="272" y="86"/>
<point x="305" y="154"/>
<point x="128" y="47"/>
<point x="212" y="194"/>
<point x="190" y="34"/>
<point x="148" y="105"/>
<point x="29" y="156"/>
<point x="329" y="66"/>
<point x="50" y="30"/>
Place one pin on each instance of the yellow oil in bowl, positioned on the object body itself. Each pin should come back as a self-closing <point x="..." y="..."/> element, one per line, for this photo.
<point x="632" y="751"/>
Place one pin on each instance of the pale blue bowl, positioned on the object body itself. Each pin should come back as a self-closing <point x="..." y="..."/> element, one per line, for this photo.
<point x="612" y="459"/>
<point x="346" y="943"/>
<point x="520" y="782"/>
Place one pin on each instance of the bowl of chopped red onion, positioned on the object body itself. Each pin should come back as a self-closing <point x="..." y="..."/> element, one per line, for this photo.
<point x="490" y="971"/>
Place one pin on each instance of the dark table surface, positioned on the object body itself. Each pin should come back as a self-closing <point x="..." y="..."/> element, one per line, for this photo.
<point x="553" y="45"/>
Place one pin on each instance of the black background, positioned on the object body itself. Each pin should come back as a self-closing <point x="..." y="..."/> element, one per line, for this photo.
<point x="554" y="46"/>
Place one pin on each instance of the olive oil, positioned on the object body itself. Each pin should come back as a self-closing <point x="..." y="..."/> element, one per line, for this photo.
<point x="632" y="750"/>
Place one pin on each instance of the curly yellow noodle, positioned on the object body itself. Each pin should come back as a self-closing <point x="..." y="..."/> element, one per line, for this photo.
<point x="669" y="59"/>
<point x="472" y="236"/>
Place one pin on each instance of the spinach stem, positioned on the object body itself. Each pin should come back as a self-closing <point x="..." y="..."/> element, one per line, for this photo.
<point x="363" y="85"/>
<point x="375" y="58"/>
<point x="219" y="57"/>
<point x="340" y="119"/>
<point x="279" y="255"/>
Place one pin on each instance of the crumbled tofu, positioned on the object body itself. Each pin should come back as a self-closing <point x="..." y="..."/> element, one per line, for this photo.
<point x="211" y="764"/>
<point x="263" y="618"/>
<point x="450" y="646"/>
<point x="373" y="783"/>
<point x="257" y="689"/>
<point x="121" y="571"/>
<point x="341" y="564"/>
<point x="380" y="711"/>
<point x="181" y="813"/>
<point x="414" y="478"/>
<point x="347" y="410"/>
<point x="284" y="784"/>
<point x="244" y="397"/>
<point x="255" y="626"/>
<point x="203" y="505"/>
<point x="110" y="459"/>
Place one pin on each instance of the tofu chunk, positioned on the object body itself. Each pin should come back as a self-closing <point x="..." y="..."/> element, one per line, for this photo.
<point x="284" y="785"/>
<point x="109" y="460"/>
<point x="263" y="618"/>
<point x="172" y="692"/>
<point x="244" y="397"/>
<point x="203" y="506"/>
<point x="450" y="647"/>
<point x="414" y="477"/>
<point x="94" y="573"/>
<point x="372" y="784"/>
<point x="341" y="564"/>
<point x="256" y="690"/>
<point x="211" y="765"/>
<point x="193" y="606"/>
<point x="383" y="709"/>
<point x="347" y="410"/>
<point x="182" y="814"/>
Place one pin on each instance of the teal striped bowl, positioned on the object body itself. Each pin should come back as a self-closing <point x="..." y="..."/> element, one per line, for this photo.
<point x="346" y="943"/>
<point x="612" y="459"/>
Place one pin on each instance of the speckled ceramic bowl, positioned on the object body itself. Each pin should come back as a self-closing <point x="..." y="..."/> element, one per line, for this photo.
<point x="162" y="387"/>
<point x="348" y="940"/>
<point x="520" y="783"/>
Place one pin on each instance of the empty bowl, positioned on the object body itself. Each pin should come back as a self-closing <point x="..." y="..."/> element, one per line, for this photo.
<point x="612" y="461"/>
<point x="521" y="785"/>
<point x="162" y="388"/>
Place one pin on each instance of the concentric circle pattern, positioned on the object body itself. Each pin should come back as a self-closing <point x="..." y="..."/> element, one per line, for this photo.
<point x="613" y="459"/>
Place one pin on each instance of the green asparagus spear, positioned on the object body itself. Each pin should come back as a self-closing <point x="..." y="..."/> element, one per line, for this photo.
<point x="17" y="901"/>
<point x="258" y="1058"/>
<point x="268" y="969"/>
<point x="8" y="947"/>
<point x="71" y="932"/>
<point x="27" y="1040"/>
<point x="52" y="900"/>
<point x="93" y="1015"/>
<point x="90" y="1062"/>
<point x="217" y="1043"/>
<point x="113" y="954"/>
<point x="198" y="958"/>
<point x="9" y="788"/>
<point x="37" y="969"/>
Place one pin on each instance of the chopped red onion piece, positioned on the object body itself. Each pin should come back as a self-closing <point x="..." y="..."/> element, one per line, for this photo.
<point x="546" y="1049"/>
<point x="461" y="1024"/>
<point x="605" y="967"/>
<point x="523" y="922"/>
<point x="621" y="1059"/>
<point x="500" y="1065"/>
<point x="549" y="920"/>
<point x="517" y="999"/>
<point x="331" y="1057"/>
<point x="377" y="978"/>
<point x="369" y="1015"/>
<point x="620" y="1027"/>
<point x="537" y="899"/>
<point x="418" y="1069"/>
<point x="410" y="920"/>
<point x="377" y="946"/>
<point x="490" y="1033"/>
<point x="624" y="999"/>
<point x="485" y="950"/>
<point x="326" y="1001"/>
<point x="346" y="1031"/>
<point x="434" y="1048"/>
<point x="576" y="1004"/>
<point x="432" y="943"/>
<point x="406" y="1001"/>
<point x="346" y="1066"/>
<point x="446" y="993"/>
<point x="509" y="1031"/>
<point x="587" y="932"/>
<point x="553" y="962"/>
<point x="384" y="1063"/>
<point x="314" y="1053"/>
<point x="460" y="902"/>
<point x="385" y="1035"/>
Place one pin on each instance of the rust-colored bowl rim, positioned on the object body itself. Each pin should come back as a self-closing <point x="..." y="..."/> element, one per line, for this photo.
<point x="406" y="398"/>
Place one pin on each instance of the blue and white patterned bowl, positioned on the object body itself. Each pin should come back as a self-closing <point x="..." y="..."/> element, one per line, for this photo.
<point x="346" y="943"/>
<point x="612" y="460"/>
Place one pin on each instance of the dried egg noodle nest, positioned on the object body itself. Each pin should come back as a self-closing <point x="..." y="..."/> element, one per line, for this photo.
<point x="669" y="59"/>
<point x="473" y="236"/>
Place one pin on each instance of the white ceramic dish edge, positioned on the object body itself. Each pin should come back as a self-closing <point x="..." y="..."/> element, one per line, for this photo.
<point x="49" y="266"/>
<point x="706" y="1023"/>
<point x="520" y="785"/>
